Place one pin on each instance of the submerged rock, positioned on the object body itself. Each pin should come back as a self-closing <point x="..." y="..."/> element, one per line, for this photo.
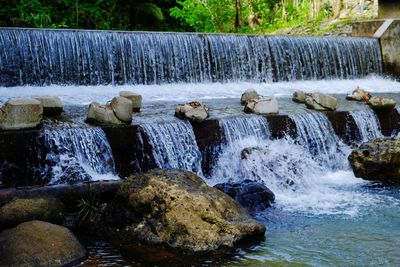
<point x="193" y="111"/>
<point x="177" y="209"/>
<point x="102" y="114"/>
<point x="377" y="160"/>
<point x="248" y="95"/>
<point x="265" y="105"/>
<point x="123" y="108"/>
<point x="135" y="98"/>
<point x="24" y="210"/>
<point x="252" y="195"/>
<point x="359" y="94"/>
<point x="320" y="102"/>
<point x="299" y="97"/>
<point x="52" y="105"/>
<point x="39" y="243"/>
<point x="20" y="113"/>
<point x="379" y="103"/>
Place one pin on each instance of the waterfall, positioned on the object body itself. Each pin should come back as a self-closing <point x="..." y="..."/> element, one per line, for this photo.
<point x="42" y="57"/>
<point x="78" y="154"/>
<point x="174" y="145"/>
<point x="367" y="124"/>
<point x="315" y="132"/>
<point x="242" y="127"/>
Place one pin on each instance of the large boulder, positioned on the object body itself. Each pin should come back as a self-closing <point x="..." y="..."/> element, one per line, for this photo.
<point x="177" y="209"/>
<point x="52" y="105"/>
<point x="377" y="160"/>
<point x="20" y="113"/>
<point x="193" y="111"/>
<point x="249" y="94"/>
<point x="379" y="103"/>
<point x="123" y="108"/>
<point x="320" y="102"/>
<point x="299" y="97"/>
<point x="24" y="210"/>
<point x="102" y="114"/>
<point x="39" y="243"/>
<point x="265" y="105"/>
<point x="252" y="195"/>
<point x="135" y="98"/>
<point x="359" y="94"/>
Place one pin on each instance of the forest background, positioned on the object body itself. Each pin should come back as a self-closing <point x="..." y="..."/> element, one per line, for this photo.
<point x="318" y="17"/>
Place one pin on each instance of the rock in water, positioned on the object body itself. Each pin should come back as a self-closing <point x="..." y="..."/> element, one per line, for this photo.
<point x="52" y="105"/>
<point x="177" y="209"/>
<point x="102" y="114"/>
<point x="379" y="103"/>
<point x="39" y="243"/>
<point x="299" y="97"/>
<point x="320" y="102"/>
<point x="193" y="111"/>
<point x="265" y="105"/>
<point x="24" y="210"/>
<point x="249" y="94"/>
<point x="123" y="108"/>
<point x="359" y="94"/>
<point x="20" y="113"/>
<point x="252" y="195"/>
<point x="135" y="98"/>
<point x="377" y="160"/>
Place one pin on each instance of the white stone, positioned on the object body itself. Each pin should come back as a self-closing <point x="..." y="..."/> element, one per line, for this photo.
<point x="249" y="94"/>
<point x="320" y="102"/>
<point x="52" y="105"/>
<point x="20" y="113"/>
<point x="102" y="114"/>
<point x="379" y="103"/>
<point x="266" y="105"/>
<point x="122" y="108"/>
<point x="134" y="97"/>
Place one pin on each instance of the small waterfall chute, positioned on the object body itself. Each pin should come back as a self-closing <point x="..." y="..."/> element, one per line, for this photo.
<point x="367" y="123"/>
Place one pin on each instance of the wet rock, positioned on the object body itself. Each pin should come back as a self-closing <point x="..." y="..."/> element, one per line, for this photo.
<point x="134" y="97"/>
<point x="377" y="160"/>
<point x="359" y="94"/>
<point x="177" y="209"/>
<point x="320" y="102"/>
<point x="249" y="94"/>
<point x="265" y="105"/>
<point x="52" y="105"/>
<point x="379" y="103"/>
<point x="20" y="113"/>
<point x="39" y="243"/>
<point x="24" y="210"/>
<point x="102" y="114"/>
<point x="252" y="195"/>
<point x="299" y="97"/>
<point x="193" y="111"/>
<point x="123" y="108"/>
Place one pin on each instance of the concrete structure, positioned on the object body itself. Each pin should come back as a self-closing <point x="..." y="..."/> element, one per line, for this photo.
<point x="389" y="9"/>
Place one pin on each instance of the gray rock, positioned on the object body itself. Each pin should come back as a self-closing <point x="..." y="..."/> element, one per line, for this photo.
<point x="320" y="102"/>
<point x="249" y="94"/>
<point x="379" y="103"/>
<point x="37" y="243"/>
<point x="52" y="105"/>
<point x="193" y="111"/>
<point x="265" y="105"/>
<point x="299" y="97"/>
<point x="102" y="114"/>
<point x="123" y="108"/>
<point x="359" y="94"/>
<point x="20" y="113"/>
<point x="134" y="97"/>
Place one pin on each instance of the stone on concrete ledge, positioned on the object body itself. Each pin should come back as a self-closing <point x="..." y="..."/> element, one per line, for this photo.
<point x="320" y="102"/>
<point x="379" y="103"/>
<point x="102" y="114"/>
<point x="134" y="97"/>
<point x="299" y="97"/>
<point x="20" y="113"/>
<point x="122" y="108"/>
<point x="265" y="105"/>
<point x="52" y="105"/>
<point x="193" y="111"/>
<point x="249" y="94"/>
<point x="359" y="94"/>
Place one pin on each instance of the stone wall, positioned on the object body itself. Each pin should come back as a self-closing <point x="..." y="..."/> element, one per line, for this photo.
<point x="389" y="9"/>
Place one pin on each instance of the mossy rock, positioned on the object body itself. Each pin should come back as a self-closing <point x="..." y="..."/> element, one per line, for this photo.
<point x="39" y="243"/>
<point x="177" y="209"/>
<point x="29" y="209"/>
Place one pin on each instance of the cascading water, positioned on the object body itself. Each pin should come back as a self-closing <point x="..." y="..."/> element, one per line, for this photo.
<point x="41" y="57"/>
<point x="174" y="145"/>
<point x="367" y="124"/>
<point x="78" y="154"/>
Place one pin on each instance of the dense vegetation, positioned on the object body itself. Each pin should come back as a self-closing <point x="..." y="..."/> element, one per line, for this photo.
<point x="171" y="15"/>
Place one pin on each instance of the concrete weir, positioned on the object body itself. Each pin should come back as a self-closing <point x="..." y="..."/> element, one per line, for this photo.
<point x="22" y="152"/>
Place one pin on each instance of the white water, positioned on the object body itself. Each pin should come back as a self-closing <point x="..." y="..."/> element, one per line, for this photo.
<point x="181" y="92"/>
<point x="367" y="123"/>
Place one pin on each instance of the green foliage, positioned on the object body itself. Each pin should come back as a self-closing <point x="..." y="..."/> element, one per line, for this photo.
<point x="89" y="209"/>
